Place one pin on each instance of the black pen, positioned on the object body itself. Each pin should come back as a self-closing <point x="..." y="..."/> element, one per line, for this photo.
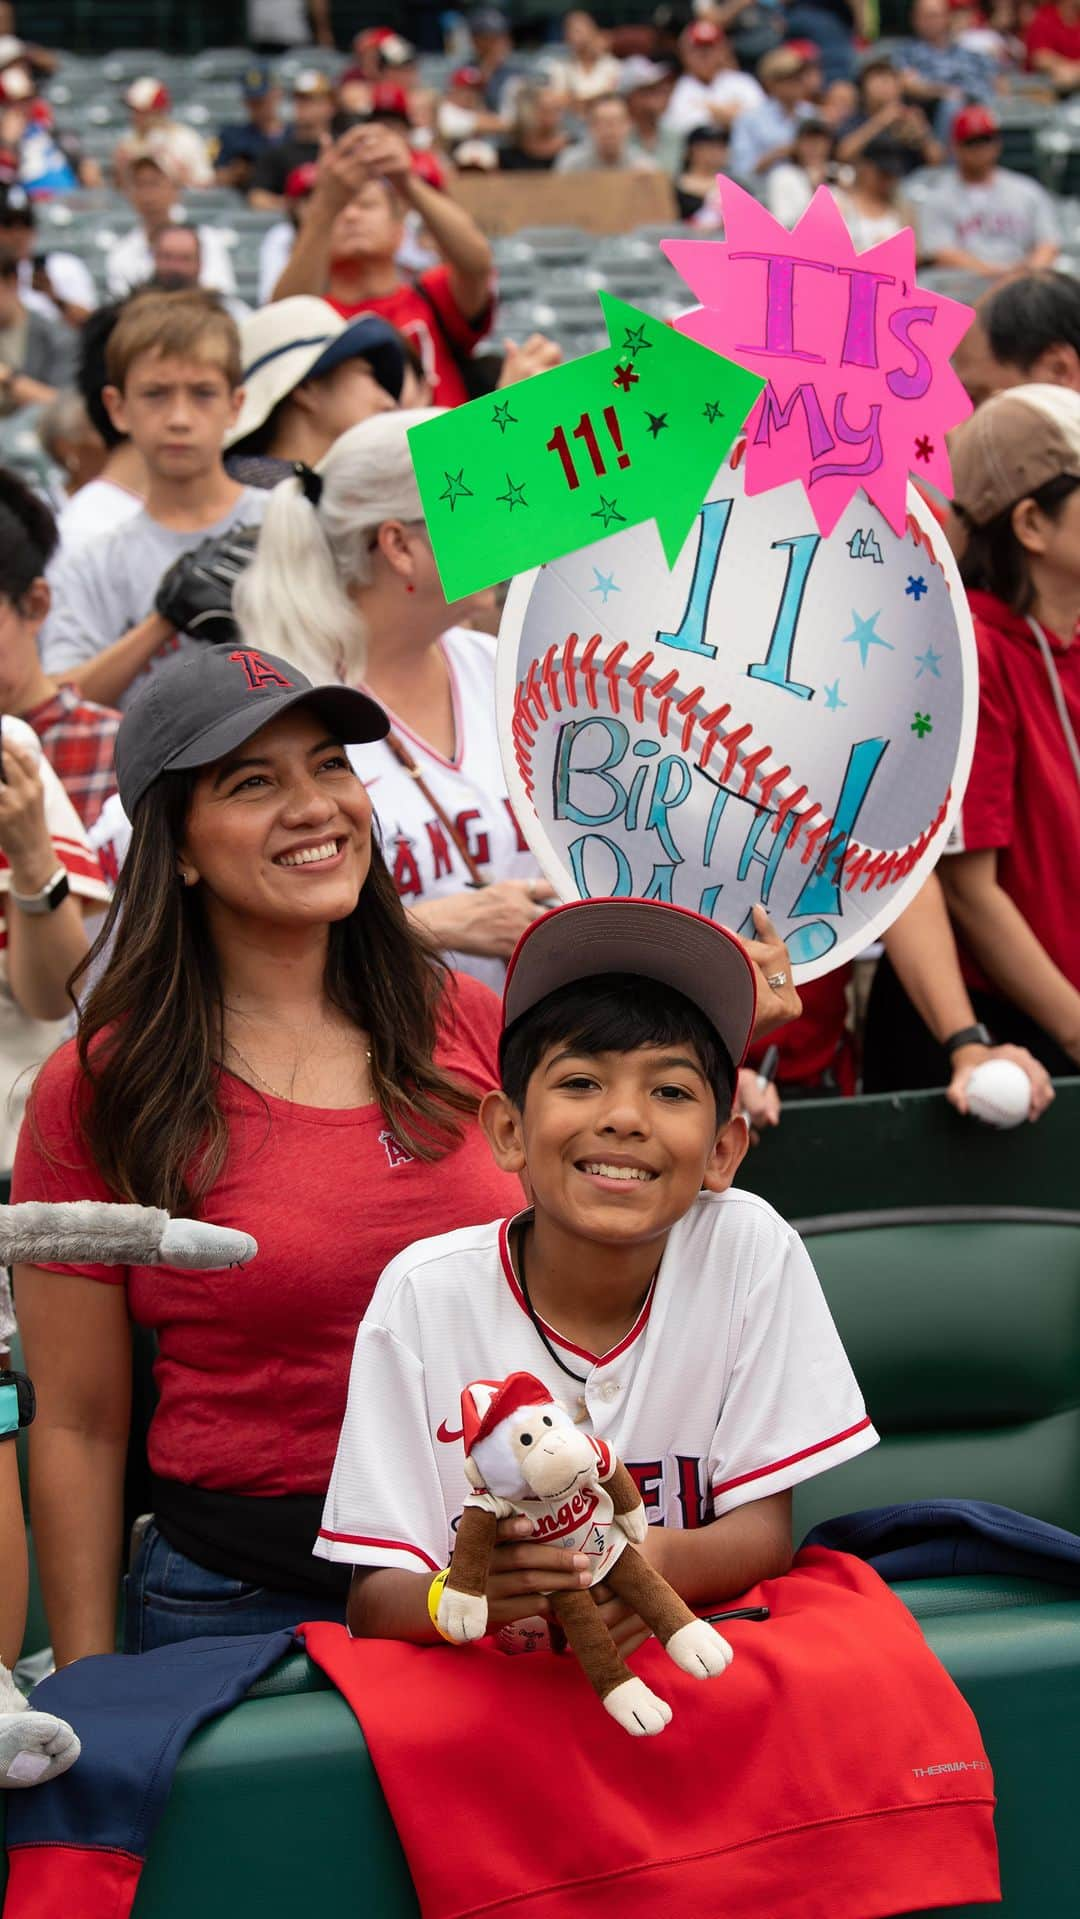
<point x="737" y="1612"/>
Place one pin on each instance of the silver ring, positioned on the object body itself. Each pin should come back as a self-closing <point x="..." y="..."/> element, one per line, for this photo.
<point x="776" y="980"/>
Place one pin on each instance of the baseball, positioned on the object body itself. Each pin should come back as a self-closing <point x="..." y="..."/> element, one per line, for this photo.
<point x="999" y="1093"/>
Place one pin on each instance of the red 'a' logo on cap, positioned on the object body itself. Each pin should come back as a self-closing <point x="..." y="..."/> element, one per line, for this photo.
<point x="259" y="671"/>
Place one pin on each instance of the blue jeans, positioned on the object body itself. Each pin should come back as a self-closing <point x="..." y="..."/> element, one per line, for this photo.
<point x="168" y="1597"/>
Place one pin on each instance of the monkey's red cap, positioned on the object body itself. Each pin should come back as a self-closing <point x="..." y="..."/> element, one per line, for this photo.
<point x="485" y="1403"/>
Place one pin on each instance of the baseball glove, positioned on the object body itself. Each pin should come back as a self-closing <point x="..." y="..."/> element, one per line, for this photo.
<point x="195" y="595"/>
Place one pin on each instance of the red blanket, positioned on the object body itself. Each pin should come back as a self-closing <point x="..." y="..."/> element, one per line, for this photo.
<point x="834" y="1772"/>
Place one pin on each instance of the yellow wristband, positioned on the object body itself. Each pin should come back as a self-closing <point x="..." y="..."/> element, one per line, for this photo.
<point x="435" y="1593"/>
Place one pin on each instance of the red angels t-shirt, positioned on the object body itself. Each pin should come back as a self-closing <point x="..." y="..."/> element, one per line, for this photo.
<point x="253" y="1363"/>
<point x="434" y="323"/>
<point x="1023" y="797"/>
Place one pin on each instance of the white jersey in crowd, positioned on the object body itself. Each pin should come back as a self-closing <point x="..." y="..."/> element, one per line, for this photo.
<point x="470" y="788"/>
<point x="95" y="511"/>
<point x="129" y="261"/>
<point x="693" y="101"/>
<point x="1000" y="220"/>
<point x="25" y="1042"/>
<point x="732" y="1385"/>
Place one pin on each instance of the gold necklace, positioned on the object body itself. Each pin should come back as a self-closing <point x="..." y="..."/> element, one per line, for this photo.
<point x="255" y="1073"/>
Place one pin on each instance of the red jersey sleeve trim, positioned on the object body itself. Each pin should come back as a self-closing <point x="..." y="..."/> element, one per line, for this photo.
<point x="778" y="1465"/>
<point x="390" y="1545"/>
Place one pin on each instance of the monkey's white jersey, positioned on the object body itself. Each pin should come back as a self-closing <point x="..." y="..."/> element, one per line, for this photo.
<point x="580" y="1522"/>
<point x="731" y="1385"/>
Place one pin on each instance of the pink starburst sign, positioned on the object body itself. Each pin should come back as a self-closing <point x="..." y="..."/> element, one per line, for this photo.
<point x="859" y="392"/>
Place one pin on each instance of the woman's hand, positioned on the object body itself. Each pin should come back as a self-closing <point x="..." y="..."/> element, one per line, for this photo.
<point x="522" y="1573"/>
<point x="24" y="836"/>
<point x="777" y="999"/>
<point x="485" y="920"/>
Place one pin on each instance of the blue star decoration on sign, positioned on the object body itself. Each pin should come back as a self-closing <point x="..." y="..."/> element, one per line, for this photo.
<point x="605" y="584"/>
<point x="514" y="495"/>
<point x="657" y="423"/>
<point x="928" y="662"/>
<point x="864" y="637"/>
<point x="833" y="702"/>
<point x="916" y="587"/>
<point x="922" y="724"/>
<point x="455" y="488"/>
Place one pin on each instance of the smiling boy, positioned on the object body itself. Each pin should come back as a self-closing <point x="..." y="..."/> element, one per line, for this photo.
<point x="173" y="363"/>
<point x="681" y="1321"/>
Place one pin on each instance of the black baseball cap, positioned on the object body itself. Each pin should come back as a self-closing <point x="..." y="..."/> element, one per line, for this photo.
<point x="194" y="710"/>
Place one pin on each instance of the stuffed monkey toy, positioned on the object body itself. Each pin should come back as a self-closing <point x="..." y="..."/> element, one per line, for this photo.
<point x="34" y="1746"/>
<point x="525" y="1456"/>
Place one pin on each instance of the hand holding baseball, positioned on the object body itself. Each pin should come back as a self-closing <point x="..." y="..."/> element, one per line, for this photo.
<point x="969" y="1058"/>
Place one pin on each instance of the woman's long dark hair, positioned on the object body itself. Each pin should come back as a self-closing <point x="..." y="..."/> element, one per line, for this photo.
<point x="149" y="1032"/>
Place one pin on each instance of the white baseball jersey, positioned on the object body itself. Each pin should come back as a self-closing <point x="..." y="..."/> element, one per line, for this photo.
<point x="731" y="1385"/>
<point x="580" y="1522"/>
<point x="470" y="788"/>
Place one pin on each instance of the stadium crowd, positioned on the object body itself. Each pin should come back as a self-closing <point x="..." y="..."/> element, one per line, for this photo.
<point x="213" y="341"/>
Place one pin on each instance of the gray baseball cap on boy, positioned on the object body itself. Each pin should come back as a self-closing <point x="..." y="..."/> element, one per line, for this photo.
<point x="194" y="710"/>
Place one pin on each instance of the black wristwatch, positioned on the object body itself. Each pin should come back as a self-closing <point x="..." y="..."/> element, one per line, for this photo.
<point x="17" y="1403"/>
<point x="976" y="1035"/>
<point x="52" y="894"/>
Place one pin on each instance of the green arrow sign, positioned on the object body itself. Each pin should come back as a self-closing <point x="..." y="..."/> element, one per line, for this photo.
<point x="635" y="432"/>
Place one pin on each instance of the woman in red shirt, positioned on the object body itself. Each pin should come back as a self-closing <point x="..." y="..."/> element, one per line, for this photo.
<point x="1011" y="886"/>
<point x="270" y="1047"/>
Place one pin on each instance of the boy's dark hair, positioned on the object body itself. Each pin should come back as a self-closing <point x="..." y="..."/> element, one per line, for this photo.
<point x="1028" y="315"/>
<point x="94" y="336"/>
<point x="614" y="1013"/>
<point x="28" y="537"/>
<point x="994" y="561"/>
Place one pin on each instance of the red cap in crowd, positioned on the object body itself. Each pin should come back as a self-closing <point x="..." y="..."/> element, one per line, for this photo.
<point x="975" y="123"/>
<point x="467" y="77"/>
<point x="299" y="183"/>
<point x="389" y="96"/>
<point x="427" y="168"/>
<point x="706" y="33"/>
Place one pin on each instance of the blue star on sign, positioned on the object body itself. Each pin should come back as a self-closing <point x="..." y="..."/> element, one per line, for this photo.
<point x="833" y="702"/>
<point x="605" y="584"/>
<point x="928" y="662"/>
<point x="864" y="637"/>
<point x="916" y="587"/>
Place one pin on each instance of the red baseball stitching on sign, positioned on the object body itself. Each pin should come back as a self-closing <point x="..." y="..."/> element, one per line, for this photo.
<point x="859" y="863"/>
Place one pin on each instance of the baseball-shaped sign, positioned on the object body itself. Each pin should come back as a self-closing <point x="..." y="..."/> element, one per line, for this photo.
<point x="781" y="716"/>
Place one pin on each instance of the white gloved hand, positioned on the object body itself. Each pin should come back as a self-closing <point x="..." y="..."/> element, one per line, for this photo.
<point x="34" y="1746"/>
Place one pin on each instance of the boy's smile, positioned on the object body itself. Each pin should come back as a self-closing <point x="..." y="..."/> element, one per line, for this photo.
<point x="617" y="1145"/>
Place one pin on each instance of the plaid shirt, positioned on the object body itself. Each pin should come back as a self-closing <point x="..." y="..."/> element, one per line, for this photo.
<point x="79" y="739"/>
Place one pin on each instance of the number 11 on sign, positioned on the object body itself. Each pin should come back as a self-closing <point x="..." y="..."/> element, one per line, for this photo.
<point x="586" y="432"/>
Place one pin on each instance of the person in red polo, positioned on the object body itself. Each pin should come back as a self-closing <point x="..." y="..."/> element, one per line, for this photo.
<point x="1011" y="883"/>
<point x="1052" y="44"/>
<point x="347" y="248"/>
